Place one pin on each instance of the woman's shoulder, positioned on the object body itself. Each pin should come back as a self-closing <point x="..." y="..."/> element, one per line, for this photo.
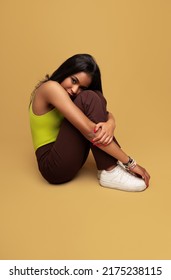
<point x="47" y="92"/>
<point x="49" y="85"/>
<point x="40" y="100"/>
<point x="47" y="88"/>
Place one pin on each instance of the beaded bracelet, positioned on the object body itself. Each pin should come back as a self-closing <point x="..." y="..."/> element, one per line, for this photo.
<point x="130" y="164"/>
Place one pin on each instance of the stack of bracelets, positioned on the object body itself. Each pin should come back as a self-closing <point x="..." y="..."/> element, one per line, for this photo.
<point x="129" y="165"/>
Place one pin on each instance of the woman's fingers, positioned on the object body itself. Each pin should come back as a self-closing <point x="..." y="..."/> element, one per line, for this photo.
<point x="146" y="178"/>
<point x="102" y="139"/>
<point x="143" y="173"/>
<point x="99" y="139"/>
<point x="97" y="126"/>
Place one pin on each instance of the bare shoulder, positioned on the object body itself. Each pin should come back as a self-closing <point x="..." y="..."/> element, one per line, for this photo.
<point x="47" y="90"/>
<point x="52" y="89"/>
<point x="49" y="86"/>
<point x="42" y="99"/>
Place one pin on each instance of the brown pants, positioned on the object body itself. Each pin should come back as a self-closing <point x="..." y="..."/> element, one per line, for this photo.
<point x="60" y="161"/>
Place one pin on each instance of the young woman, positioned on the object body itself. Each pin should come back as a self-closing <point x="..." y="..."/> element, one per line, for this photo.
<point x="68" y="117"/>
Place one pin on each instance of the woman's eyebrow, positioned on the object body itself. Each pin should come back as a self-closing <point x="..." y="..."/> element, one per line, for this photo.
<point x="76" y="78"/>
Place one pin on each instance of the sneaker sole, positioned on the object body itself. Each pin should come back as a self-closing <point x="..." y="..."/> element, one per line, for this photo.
<point x="118" y="187"/>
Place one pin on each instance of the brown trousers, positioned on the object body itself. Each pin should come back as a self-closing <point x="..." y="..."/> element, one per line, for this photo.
<point x="60" y="161"/>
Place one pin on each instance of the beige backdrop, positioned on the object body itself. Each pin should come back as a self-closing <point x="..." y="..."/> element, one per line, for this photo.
<point x="131" y="41"/>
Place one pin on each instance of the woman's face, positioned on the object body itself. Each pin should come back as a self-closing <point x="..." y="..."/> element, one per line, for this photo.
<point x="74" y="84"/>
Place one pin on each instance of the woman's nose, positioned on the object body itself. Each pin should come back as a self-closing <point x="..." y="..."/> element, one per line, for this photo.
<point x="75" y="89"/>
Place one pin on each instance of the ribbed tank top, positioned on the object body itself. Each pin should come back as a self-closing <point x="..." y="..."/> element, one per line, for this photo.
<point x="44" y="128"/>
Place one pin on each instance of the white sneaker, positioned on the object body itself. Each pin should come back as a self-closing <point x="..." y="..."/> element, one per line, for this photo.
<point x="120" y="179"/>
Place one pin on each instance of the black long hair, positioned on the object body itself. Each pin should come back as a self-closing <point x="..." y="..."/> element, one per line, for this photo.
<point x="79" y="63"/>
<point x="73" y="65"/>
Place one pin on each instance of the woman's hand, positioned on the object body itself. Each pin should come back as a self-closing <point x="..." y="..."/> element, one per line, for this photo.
<point x="139" y="170"/>
<point x="105" y="131"/>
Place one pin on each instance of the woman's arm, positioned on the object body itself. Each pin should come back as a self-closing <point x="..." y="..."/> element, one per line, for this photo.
<point x="106" y="130"/>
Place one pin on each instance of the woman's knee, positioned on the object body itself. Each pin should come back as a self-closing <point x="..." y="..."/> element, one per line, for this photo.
<point x="93" y="105"/>
<point x="87" y="96"/>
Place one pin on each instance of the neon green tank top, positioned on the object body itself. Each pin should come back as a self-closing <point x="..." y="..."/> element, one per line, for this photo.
<point x="44" y="128"/>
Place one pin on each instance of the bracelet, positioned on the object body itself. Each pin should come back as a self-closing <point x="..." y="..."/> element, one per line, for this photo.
<point x="130" y="164"/>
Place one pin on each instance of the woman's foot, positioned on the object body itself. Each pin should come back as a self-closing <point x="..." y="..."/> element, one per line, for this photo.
<point x="120" y="179"/>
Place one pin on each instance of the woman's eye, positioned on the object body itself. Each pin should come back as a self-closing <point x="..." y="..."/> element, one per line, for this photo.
<point x="73" y="80"/>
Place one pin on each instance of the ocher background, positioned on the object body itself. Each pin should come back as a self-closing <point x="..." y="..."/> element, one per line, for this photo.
<point x="131" y="42"/>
